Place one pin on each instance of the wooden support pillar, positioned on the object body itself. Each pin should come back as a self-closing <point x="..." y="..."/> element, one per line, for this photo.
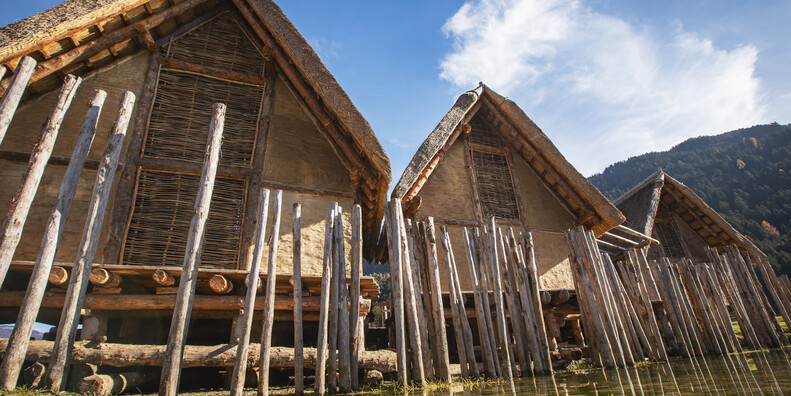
<point x="162" y="278"/>
<point x="437" y="309"/>
<point x="14" y="93"/>
<point x="354" y="316"/>
<point x="171" y="369"/>
<point x="321" y="345"/>
<point x="269" y="304"/>
<point x="296" y="281"/>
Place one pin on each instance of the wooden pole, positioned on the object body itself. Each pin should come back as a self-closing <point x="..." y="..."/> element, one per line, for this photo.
<point x="86" y="252"/>
<point x="456" y="316"/>
<point x="354" y="316"/>
<point x="171" y="369"/>
<point x="485" y="280"/>
<point x="334" y="307"/>
<point x="419" y="373"/>
<point x="528" y="314"/>
<point x="20" y="204"/>
<point x="253" y="278"/>
<point x="514" y="307"/>
<point x="437" y="308"/>
<point x="505" y="345"/>
<point x="483" y="331"/>
<point x="344" y="352"/>
<point x="299" y="371"/>
<point x="469" y="347"/>
<point x="14" y="93"/>
<point x="326" y="276"/>
<point x="58" y="276"/>
<point x="425" y="351"/>
<point x="104" y="278"/>
<point x="397" y="286"/>
<point x="269" y="305"/>
<point x="533" y="277"/>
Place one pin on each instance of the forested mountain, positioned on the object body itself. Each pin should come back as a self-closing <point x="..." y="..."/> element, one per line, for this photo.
<point x="743" y="174"/>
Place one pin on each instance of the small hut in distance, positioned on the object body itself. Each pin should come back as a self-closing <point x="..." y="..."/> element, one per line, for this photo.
<point x="487" y="158"/>
<point x="671" y="212"/>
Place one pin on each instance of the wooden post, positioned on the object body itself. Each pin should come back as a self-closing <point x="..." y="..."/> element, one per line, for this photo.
<point x="14" y="93"/>
<point x="343" y="307"/>
<point x="86" y="252"/>
<point x="171" y="368"/>
<point x="397" y="287"/>
<point x="485" y="280"/>
<point x="419" y="374"/>
<point x="505" y="345"/>
<point x="417" y="291"/>
<point x="299" y="371"/>
<point x="487" y="351"/>
<point x="528" y="315"/>
<point x="438" y="310"/>
<point x="326" y="276"/>
<point x="162" y="278"/>
<point x="461" y="349"/>
<point x="533" y="279"/>
<point x="356" y="271"/>
<point x="20" y="204"/>
<point x="269" y="300"/>
<point x="253" y="277"/>
<point x="514" y="307"/>
<point x="462" y="310"/>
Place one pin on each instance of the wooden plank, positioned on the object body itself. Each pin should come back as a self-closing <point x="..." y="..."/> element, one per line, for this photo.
<point x="246" y="322"/>
<point x="22" y="200"/>
<point x="269" y="300"/>
<point x="171" y="369"/>
<point x="86" y="252"/>
<point x="13" y="94"/>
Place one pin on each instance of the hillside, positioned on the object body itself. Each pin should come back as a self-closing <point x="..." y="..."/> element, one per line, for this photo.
<point x="743" y="174"/>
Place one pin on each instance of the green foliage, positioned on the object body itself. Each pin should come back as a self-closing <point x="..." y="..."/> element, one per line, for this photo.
<point x="383" y="280"/>
<point x="742" y="174"/>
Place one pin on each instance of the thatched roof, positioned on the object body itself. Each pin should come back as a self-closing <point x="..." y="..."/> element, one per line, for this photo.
<point x="79" y="37"/>
<point x="640" y="206"/>
<point x="583" y="199"/>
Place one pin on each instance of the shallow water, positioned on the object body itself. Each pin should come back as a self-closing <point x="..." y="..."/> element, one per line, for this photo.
<point x="767" y="372"/>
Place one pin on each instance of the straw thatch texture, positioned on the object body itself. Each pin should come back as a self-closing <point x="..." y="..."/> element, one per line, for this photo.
<point x="161" y="219"/>
<point x="180" y="118"/>
<point x="219" y="43"/>
<point x="495" y="187"/>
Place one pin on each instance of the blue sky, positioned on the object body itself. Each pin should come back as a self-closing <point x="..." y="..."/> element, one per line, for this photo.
<point x="604" y="79"/>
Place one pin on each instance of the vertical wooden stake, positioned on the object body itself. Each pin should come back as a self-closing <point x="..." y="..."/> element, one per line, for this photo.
<point x="20" y="204"/>
<point x="326" y="277"/>
<point x="78" y="285"/>
<point x="397" y="286"/>
<point x="437" y="309"/>
<point x="411" y="304"/>
<point x="498" y="301"/>
<point x="344" y="352"/>
<point x="299" y="370"/>
<point x="332" y="381"/>
<point x="458" y="331"/>
<point x="14" y="93"/>
<point x="171" y="367"/>
<point x="269" y="300"/>
<point x="356" y="271"/>
<point x="253" y="277"/>
<point x="483" y="331"/>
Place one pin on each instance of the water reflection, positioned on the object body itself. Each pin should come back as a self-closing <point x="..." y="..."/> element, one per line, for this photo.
<point x="751" y="373"/>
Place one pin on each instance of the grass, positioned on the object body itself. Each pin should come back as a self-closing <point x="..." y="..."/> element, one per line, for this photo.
<point x="458" y="384"/>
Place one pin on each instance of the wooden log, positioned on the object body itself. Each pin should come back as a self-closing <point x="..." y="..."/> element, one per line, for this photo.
<point x="533" y="280"/>
<point x="344" y="350"/>
<point x="171" y="370"/>
<point x="560" y="296"/>
<point x="224" y="355"/>
<point x="456" y="315"/>
<point x="533" y="344"/>
<point x="619" y="299"/>
<point x="413" y="321"/>
<point x="485" y="278"/>
<point x="729" y="288"/>
<point x="469" y="347"/>
<point x="220" y="284"/>
<point x="326" y="277"/>
<point x="299" y="372"/>
<point x="770" y="285"/>
<point x="546" y="297"/>
<point x="420" y="261"/>
<point x="216" y="72"/>
<point x="253" y="280"/>
<point x="104" y="278"/>
<point x="161" y="277"/>
<point x="332" y="369"/>
<point x="13" y="94"/>
<point x="86" y="252"/>
<point x="508" y="269"/>
<point x="33" y="375"/>
<point x="20" y="203"/>
<point x="505" y="345"/>
<point x="417" y="292"/>
<point x="58" y="276"/>
<point x="397" y="287"/>
<point x="109" y="384"/>
<point x="437" y="311"/>
<point x="487" y="352"/>
<point x="269" y="302"/>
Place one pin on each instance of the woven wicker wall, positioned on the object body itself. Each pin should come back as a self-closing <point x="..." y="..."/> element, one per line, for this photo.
<point x="221" y="43"/>
<point x="161" y="220"/>
<point x="485" y="134"/>
<point x="666" y="234"/>
<point x="181" y="115"/>
<point x="495" y="187"/>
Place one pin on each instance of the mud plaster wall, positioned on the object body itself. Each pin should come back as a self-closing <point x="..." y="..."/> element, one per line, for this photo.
<point x="544" y="211"/>
<point x="314" y="215"/>
<point x="297" y="152"/>
<point x="447" y="193"/>
<point x="23" y="134"/>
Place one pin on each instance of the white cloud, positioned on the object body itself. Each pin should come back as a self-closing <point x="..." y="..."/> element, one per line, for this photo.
<point x="601" y="88"/>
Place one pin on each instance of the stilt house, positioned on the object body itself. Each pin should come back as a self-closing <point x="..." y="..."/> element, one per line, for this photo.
<point x="487" y="158"/>
<point x="289" y="126"/>
<point x="684" y="224"/>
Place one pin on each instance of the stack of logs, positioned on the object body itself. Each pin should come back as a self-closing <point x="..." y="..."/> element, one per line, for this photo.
<point x="636" y="309"/>
<point x="512" y="337"/>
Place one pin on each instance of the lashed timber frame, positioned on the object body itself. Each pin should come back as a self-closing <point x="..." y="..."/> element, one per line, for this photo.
<point x="679" y="200"/>
<point x="588" y="206"/>
<point x="108" y="31"/>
